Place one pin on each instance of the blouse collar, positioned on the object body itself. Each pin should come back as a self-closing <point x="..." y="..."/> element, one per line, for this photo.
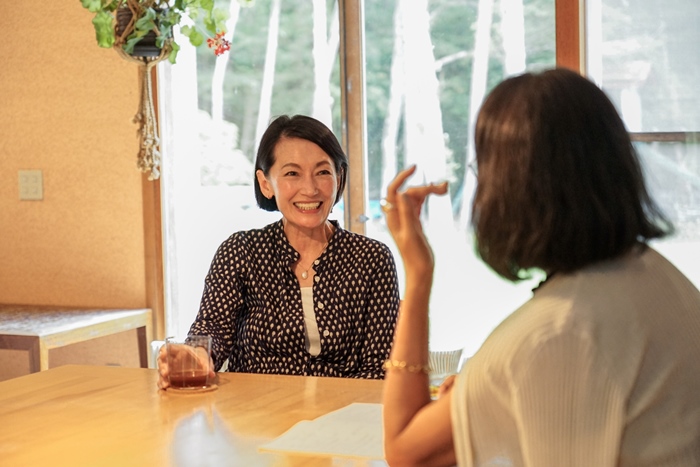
<point x="289" y="255"/>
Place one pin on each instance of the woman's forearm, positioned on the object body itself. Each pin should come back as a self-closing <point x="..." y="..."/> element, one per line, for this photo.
<point x="406" y="392"/>
<point x="416" y="431"/>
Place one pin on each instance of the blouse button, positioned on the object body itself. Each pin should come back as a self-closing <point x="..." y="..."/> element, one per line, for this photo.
<point x="316" y="262"/>
<point x="316" y="278"/>
<point x="326" y="333"/>
<point x="320" y="305"/>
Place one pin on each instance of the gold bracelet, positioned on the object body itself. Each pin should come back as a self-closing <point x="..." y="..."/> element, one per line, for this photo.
<point x="403" y="366"/>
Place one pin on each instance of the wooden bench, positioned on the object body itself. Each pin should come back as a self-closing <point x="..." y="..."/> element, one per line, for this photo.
<point x="38" y="329"/>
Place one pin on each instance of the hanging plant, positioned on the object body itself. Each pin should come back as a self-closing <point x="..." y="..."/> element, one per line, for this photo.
<point x="158" y="18"/>
<point x="142" y="31"/>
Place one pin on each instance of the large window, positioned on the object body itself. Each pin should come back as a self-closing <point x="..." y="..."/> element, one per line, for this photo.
<point x="426" y="64"/>
<point x="283" y="60"/>
<point x="640" y="53"/>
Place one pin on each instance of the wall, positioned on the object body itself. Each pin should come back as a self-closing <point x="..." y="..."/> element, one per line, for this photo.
<point x="66" y="109"/>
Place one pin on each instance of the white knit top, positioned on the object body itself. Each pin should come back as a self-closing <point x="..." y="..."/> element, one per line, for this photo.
<point x="600" y="368"/>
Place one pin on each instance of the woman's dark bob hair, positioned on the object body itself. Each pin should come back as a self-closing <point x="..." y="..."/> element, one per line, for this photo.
<point x="559" y="183"/>
<point x="298" y="126"/>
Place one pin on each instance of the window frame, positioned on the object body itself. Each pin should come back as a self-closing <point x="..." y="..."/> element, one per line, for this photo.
<point x="569" y="53"/>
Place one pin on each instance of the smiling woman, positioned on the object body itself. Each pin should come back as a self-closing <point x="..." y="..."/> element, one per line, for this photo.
<point x="302" y="295"/>
<point x="300" y="171"/>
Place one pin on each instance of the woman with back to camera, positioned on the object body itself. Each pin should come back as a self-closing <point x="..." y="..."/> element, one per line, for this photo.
<point x="601" y="366"/>
<point x="301" y="296"/>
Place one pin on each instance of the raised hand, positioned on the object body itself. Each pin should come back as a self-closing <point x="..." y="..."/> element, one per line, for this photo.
<point x="402" y="209"/>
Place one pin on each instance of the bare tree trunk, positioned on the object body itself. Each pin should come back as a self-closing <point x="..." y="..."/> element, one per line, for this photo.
<point x="217" y="80"/>
<point x="333" y="50"/>
<point x="390" y="132"/>
<point x="425" y="143"/>
<point x="268" y="72"/>
<point x="322" y="57"/>
<point x="480" y="70"/>
<point x="513" y="34"/>
<point x="333" y="37"/>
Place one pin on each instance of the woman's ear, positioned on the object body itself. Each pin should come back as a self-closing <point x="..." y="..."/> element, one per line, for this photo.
<point x="265" y="187"/>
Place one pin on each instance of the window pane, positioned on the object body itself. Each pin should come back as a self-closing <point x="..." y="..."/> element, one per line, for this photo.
<point x="283" y="60"/>
<point x="672" y="171"/>
<point x="428" y="66"/>
<point x="642" y="55"/>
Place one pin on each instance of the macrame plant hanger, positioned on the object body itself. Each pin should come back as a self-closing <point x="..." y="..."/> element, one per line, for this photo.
<point x="149" y="141"/>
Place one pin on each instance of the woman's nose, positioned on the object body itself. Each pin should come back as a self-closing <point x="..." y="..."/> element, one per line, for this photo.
<point x="309" y="186"/>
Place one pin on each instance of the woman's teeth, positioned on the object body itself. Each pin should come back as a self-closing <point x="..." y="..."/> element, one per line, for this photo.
<point x="307" y="206"/>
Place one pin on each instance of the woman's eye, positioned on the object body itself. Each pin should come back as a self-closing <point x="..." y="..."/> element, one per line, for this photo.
<point x="325" y="172"/>
<point x="291" y="173"/>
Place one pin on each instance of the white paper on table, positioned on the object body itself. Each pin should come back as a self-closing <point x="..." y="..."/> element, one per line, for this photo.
<point x="354" y="431"/>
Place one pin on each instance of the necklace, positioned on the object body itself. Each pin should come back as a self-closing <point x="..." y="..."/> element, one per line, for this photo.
<point x="305" y="274"/>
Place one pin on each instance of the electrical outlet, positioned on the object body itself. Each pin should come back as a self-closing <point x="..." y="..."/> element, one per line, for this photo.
<point x="31" y="185"/>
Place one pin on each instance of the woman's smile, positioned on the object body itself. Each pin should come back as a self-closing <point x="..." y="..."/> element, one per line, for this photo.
<point x="308" y="206"/>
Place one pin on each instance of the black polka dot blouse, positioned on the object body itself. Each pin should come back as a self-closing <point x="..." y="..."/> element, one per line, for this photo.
<point x="251" y="305"/>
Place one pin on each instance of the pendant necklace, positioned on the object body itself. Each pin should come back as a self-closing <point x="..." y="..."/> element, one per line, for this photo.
<point x="305" y="274"/>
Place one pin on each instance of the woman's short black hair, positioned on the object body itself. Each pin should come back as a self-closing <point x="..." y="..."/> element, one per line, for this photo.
<point x="304" y="127"/>
<point x="559" y="183"/>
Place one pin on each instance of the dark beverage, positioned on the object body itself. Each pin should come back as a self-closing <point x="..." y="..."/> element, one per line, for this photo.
<point x="189" y="379"/>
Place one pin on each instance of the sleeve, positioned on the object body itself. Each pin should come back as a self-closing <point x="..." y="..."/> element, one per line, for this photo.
<point x="381" y="314"/>
<point x="568" y="405"/>
<point x="222" y="300"/>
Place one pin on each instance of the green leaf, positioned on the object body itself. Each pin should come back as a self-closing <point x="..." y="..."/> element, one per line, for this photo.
<point x="193" y="13"/>
<point x="186" y="30"/>
<point x="173" y="54"/>
<point x="207" y="5"/>
<point x="100" y="5"/>
<point x="147" y="21"/>
<point x="220" y="15"/>
<point x="165" y="30"/>
<point x="209" y="25"/>
<point x="130" y="43"/>
<point x="93" y="5"/>
<point x="104" y="31"/>
<point x="217" y="21"/>
<point x="196" y="39"/>
<point x="169" y="18"/>
<point x="161" y="41"/>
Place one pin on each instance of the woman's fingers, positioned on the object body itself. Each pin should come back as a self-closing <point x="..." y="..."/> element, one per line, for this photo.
<point x="212" y="372"/>
<point x="163" y="382"/>
<point x="419" y="194"/>
<point x="446" y="386"/>
<point x="414" y="197"/>
<point x="389" y="203"/>
<point x="403" y="209"/>
<point x="205" y="361"/>
<point x="397" y="182"/>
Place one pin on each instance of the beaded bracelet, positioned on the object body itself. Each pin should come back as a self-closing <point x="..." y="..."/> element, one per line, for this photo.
<point x="403" y="366"/>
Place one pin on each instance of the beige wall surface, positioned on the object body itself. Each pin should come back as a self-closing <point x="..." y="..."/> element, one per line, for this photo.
<point x="66" y="108"/>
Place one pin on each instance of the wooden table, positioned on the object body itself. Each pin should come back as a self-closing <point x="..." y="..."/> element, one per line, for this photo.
<point x="39" y="329"/>
<point x="97" y="415"/>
